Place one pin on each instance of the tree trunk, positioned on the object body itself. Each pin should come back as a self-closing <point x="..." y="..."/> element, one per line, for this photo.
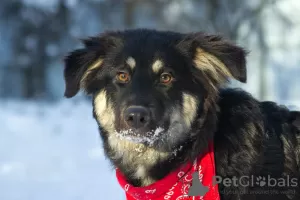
<point x="129" y="8"/>
<point x="28" y="82"/>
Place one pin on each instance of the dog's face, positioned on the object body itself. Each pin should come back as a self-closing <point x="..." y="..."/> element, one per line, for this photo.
<point x="149" y="87"/>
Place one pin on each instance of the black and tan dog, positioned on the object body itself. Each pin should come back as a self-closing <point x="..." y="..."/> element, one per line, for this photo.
<point x="159" y="99"/>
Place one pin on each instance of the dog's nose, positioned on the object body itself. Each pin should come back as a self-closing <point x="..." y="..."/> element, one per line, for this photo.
<point x="137" y="116"/>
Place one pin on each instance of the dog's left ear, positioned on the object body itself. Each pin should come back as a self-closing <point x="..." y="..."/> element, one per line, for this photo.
<point x="79" y="64"/>
<point x="217" y="57"/>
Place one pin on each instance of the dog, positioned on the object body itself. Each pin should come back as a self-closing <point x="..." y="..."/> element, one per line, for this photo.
<point x="161" y="101"/>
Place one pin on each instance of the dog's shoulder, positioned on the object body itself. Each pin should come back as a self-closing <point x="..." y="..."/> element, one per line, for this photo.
<point x="295" y="119"/>
<point x="281" y="120"/>
<point x="253" y="133"/>
<point x="239" y="107"/>
<point x="255" y="138"/>
<point x="240" y="132"/>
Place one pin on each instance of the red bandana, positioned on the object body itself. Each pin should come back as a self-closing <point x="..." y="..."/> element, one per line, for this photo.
<point x="175" y="186"/>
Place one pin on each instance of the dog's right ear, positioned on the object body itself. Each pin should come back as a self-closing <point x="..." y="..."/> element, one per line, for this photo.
<point x="81" y="62"/>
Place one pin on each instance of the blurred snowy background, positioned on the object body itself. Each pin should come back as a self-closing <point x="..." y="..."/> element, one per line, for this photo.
<point x="49" y="146"/>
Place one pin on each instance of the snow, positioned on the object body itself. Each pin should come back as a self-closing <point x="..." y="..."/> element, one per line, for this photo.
<point x="149" y="137"/>
<point x="53" y="151"/>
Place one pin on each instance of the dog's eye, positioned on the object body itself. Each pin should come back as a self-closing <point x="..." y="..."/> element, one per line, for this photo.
<point x="166" y="78"/>
<point x="123" y="77"/>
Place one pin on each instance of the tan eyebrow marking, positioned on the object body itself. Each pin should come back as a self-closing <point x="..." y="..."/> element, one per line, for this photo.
<point x="157" y="66"/>
<point x="131" y="62"/>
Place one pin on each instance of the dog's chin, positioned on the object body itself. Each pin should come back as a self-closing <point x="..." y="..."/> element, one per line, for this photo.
<point x="140" y="136"/>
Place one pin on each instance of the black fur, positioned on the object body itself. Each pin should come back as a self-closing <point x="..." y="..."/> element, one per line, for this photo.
<point x="251" y="138"/>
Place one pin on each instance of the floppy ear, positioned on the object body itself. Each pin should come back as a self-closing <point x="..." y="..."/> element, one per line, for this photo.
<point x="81" y="62"/>
<point x="218" y="58"/>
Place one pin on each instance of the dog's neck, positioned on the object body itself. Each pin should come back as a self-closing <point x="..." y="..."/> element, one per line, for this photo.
<point x="144" y="167"/>
<point x="141" y="165"/>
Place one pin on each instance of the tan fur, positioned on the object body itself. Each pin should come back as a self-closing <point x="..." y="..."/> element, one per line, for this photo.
<point x="96" y="64"/>
<point x="137" y="155"/>
<point x="289" y="151"/>
<point x="104" y="111"/>
<point x="141" y="173"/>
<point x="189" y="109"/>
<point x="211" y="64"/>
<point x="157" y="66"/>
<point x="131" y="62"/>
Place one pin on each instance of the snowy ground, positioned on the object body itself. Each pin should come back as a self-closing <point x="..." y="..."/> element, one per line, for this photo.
<point x="53" y="151"/>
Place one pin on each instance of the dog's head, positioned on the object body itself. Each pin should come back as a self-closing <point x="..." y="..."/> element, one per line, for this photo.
<point x="149" y="87"/>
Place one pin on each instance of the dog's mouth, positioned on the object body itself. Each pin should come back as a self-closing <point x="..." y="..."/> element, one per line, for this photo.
<point x="140" y="137"/>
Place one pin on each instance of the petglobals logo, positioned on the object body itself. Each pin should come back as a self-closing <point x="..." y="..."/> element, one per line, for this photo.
<point x="261" y="181"/>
